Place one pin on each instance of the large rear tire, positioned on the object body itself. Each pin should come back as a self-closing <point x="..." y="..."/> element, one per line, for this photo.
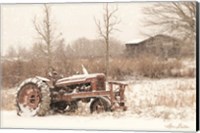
<point x="33" y="98"/>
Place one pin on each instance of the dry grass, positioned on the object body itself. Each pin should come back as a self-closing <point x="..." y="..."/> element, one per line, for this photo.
<point x="146" y="66"/>
<point x="173" y="99"/>
<point x="156" y="68"/>
<point x="8" y="99"/>
<point x="119" y="68"/>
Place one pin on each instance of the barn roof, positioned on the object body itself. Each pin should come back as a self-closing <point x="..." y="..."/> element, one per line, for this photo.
<point x="139" y="41"/>
<point x="136" y="41"/>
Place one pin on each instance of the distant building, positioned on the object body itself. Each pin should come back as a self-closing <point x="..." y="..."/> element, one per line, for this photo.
<point x="159" y="45"/>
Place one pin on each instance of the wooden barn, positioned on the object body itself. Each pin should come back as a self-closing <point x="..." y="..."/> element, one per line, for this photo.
<point x="159" y="45"/>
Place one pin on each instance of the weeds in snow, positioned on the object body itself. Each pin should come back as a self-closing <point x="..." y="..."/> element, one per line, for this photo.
<point x="166" y="99"/>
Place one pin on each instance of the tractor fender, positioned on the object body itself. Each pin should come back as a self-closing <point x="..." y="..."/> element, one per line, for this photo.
<point x="106" y="99"/>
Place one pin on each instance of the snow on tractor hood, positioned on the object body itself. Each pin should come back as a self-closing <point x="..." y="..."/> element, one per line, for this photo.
<point x="78" y="78"/>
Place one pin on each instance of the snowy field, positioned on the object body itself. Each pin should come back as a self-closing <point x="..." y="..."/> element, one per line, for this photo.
<point x="162" y="104"/>
<point x="95" y="121"/>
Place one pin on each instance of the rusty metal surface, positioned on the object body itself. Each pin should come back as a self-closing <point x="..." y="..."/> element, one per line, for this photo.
<point x="72" y="96"/>
<point x="117" y="98"/>
<point x="78" y="79"/>
<point x="117" y="83"/>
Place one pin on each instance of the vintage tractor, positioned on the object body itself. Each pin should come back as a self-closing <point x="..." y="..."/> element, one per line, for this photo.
<point x="39" y="96"/>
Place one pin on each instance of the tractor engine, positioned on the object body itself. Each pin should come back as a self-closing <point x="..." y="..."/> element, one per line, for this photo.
<point x="72" y="85"/>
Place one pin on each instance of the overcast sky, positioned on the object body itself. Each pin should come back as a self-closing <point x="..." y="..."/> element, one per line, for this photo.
<point x="73" y="20"/>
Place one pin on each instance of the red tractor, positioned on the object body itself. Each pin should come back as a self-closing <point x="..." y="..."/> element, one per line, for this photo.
<point x="38" y="95"/>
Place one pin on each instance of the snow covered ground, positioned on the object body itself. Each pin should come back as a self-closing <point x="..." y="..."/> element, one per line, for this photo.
<point x="162" y="104"/>
<point x="95" y="121"/>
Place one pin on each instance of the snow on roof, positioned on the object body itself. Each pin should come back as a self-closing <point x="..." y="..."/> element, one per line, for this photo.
<point x="136" y="41"/>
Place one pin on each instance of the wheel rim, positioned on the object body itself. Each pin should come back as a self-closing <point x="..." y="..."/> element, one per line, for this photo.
<point x="29" y="96"/>
<point x="99" y="107"/>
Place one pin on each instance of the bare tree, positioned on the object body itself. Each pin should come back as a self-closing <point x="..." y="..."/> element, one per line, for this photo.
<point x="47" y="34"/>
<point x="174" y="18"/>
<point x="105" y="29"/>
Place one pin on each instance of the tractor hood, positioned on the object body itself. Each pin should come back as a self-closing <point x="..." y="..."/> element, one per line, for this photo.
<point x="78" y="78"/>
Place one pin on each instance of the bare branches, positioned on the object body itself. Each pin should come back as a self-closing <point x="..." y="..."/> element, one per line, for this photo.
<point x="46" y="33"/>
<point x="100" y="32"/>
<point x="39" y="30"/>
<point x="177" y="18"/>
<point x="110" y="21"/>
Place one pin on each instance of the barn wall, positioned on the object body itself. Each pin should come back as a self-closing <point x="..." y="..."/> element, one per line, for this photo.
<point x="161" y="46"/>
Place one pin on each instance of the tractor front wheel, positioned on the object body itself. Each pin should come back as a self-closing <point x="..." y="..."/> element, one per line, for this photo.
<point x="100" y="105"/>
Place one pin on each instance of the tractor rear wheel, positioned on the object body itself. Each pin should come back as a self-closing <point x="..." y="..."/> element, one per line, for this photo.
<point x="33" y="98"/>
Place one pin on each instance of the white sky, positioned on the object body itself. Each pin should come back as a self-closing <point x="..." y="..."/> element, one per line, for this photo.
<point x="73" y="20"/>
